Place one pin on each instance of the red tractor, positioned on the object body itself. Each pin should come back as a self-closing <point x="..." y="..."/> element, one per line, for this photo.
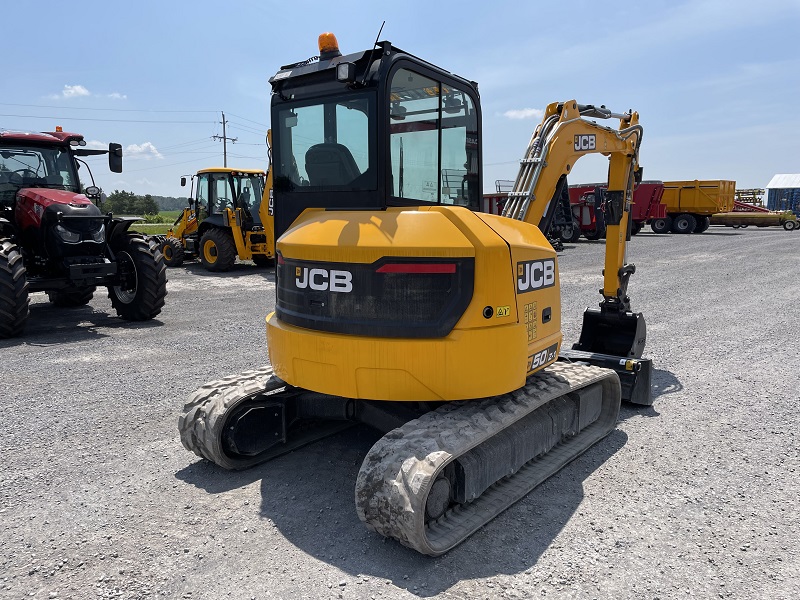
<point x="587" y="200"/>
<point x="54" y="239"/>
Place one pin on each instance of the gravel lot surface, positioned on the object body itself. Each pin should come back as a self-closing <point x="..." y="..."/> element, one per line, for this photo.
<point x="696" y="496"/>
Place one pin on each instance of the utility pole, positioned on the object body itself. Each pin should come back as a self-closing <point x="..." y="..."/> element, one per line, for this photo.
<point x="224" y="139"/>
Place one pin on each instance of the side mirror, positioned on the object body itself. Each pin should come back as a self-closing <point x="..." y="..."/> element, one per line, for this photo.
<point x="183" y="181"/>
<point x="115" y="158"/>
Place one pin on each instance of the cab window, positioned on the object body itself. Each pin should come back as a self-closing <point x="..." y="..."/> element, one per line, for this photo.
<point x="433" y="141"/>
<point x="325" y="146"/>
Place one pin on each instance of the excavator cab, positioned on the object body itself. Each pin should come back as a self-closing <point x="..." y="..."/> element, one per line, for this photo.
<point x="373" y="130"/>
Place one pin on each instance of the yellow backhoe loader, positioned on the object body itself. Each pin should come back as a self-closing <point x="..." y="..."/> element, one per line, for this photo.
<point x="400" y="308"/>
<point x="229" y="215"/>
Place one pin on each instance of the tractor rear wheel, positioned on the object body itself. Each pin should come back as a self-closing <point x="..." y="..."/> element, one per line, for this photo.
<point x="217" y="250"/>
<point x="684" y="223"/>
<point x="78" y="296"/>
<point x="142" y="285"/>
<point x="172" y="249"/>
<point x="14" y="299"/>
<point x="661" y="225"/>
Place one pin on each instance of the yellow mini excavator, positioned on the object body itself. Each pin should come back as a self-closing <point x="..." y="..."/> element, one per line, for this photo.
<point x="399" y="307"/>
<point x="237" y="220"/>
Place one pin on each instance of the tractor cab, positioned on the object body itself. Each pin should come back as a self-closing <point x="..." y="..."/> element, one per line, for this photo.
<point x="371" y="130"/>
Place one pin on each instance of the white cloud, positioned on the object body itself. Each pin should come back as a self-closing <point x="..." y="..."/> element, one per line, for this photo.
<point x="524" y="113"/>
<point x="74" y="91"/>
<point x="118" y="96"/>
<point x="145" y="150"/>
<point x="95" y="145"/>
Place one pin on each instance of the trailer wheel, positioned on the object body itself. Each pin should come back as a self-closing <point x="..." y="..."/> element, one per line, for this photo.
<point x="217" y="250"/>
<point x="636" y="227"/>
<point x="684" y="223"/>
<point x="595" y="234"/>
<point x="172" y="249"/>
<point x="661" y="225"/>
<point x="789" y="225"/>
<point x="139" y="293"/>
<point x="72" y="297"/>
<point x="14" y="299"/>
<point x="703" y="223"/>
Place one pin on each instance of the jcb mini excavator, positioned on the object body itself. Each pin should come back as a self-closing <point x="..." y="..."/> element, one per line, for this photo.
<point x="238" y="220"/>
<point x="399" y="307"/>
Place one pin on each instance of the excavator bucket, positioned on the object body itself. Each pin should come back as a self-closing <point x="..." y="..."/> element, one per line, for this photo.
<point x="615" y="340"/>
<point x="620" y="334"/>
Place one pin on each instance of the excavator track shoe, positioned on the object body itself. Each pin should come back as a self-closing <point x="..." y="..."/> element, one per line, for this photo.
<point x="225" y="421"/>
<point x="491" y="452"/>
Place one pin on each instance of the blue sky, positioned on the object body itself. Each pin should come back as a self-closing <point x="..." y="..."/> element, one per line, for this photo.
<point x="716" y="82"/>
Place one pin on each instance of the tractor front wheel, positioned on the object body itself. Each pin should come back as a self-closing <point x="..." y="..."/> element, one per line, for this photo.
<point x="138" y="294"/>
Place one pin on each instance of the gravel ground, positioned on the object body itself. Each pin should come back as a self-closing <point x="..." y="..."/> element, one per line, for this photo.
<point x="693" y="497"/>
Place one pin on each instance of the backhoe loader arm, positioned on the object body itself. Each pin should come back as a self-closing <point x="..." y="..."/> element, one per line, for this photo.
<point x="563" y="136"/>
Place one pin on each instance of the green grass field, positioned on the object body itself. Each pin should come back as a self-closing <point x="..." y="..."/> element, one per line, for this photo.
<point x="168" y="216"/>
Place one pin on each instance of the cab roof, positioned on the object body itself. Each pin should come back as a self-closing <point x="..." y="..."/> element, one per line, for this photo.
<point x="230" y="170"/>
<point x="37" y="137"/>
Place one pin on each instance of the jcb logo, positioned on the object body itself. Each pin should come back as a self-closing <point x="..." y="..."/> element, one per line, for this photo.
<point x="535" y="275"/>
<point x="322" y="279"/>
<point x="585" y="142"/>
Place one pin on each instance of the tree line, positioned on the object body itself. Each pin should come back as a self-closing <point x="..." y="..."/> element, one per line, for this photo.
<point x="121" y="202"/>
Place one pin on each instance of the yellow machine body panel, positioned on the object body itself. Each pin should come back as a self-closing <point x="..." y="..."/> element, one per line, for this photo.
<point x="509" y="328"/>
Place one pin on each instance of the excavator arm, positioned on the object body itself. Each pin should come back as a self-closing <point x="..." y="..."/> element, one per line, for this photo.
<point x="565" y="135"/>
<point x="612" y="335"/>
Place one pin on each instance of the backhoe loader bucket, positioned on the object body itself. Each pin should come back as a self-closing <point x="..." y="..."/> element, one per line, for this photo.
<point x="615" y="340"/>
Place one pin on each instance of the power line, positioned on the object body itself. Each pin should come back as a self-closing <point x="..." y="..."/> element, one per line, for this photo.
<point x="146" y="110"/>
<point x="246" y="128"/>
<point x="250" y="120"/>
<point x="167" y="165"/>
<point x="105" y="120"/>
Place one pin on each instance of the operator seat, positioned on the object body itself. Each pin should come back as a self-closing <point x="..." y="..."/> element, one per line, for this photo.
<point x="330" y="164"/>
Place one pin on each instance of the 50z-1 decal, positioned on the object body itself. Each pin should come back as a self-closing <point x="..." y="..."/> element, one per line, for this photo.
<point x="535" y="275"/>
<point x="540" y="359"/>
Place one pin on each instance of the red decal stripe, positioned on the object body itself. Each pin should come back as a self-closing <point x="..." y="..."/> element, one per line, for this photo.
<point x="418" y="268"/>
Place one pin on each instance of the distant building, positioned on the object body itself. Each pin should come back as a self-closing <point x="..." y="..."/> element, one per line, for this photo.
<point x="783" y="193"/>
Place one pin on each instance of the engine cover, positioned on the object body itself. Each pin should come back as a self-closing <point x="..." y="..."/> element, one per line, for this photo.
<point x="430" y="303"/>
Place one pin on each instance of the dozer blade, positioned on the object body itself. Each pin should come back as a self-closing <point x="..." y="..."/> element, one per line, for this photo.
<point x="635" y="374"/>
<point x="437" y="479"/>
<point x="621" y="334"/>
